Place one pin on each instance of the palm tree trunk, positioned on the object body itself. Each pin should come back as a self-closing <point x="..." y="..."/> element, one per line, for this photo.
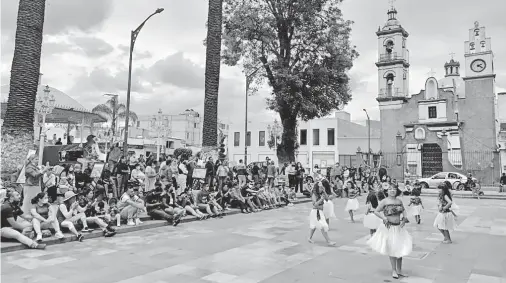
<point x="18" y="127"/>
<point x="212" y="79"/>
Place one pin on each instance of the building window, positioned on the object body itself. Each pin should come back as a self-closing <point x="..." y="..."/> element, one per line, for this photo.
<point x="237" y="138"/>
<point x="303" y="137"/>
<point x="195" y="125"/>
<point x="261" y="138"/>
<point x="248" y="139"/>
<point x="316" y="136"/>
<point x="432" y="112"/>
<point x="330" y="136"/>
<point x="138" y="124"/>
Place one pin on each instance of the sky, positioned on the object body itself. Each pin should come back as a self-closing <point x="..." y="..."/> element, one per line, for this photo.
<point x="85" y="51"/>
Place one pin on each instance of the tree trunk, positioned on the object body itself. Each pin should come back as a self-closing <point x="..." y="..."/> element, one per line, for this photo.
<point x="17" y="130"/>
<point x="212" y="76"/>
<point x="286" y="149"/>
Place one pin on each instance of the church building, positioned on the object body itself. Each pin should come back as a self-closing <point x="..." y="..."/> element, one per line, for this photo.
<point x="451" y="125"/>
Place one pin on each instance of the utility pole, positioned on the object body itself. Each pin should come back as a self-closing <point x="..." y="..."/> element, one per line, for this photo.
<point x="368" y="138"/>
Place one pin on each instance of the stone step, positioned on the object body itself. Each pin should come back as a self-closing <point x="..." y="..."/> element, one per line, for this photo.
<point x="148" y="224"/>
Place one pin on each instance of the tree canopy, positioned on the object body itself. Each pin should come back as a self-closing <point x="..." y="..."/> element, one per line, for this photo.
<point x="304" y="50"/>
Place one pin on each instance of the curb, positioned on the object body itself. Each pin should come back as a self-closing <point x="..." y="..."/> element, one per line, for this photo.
<point x="7" y="247"/>
<point x="468" y="196"/>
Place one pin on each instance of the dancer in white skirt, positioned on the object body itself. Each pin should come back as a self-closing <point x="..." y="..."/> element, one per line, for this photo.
<point x="391" y="238"/>
<point x="416" y="205"/>
<point x="352" y="203"/>
<point x="445" y="220"/>
<point x="328" y="205"/>
<point x="371" y="221"/>
<point x="317" y="217"/>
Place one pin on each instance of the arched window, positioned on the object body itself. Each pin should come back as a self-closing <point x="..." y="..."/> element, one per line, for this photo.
<point x="390" y="84"/>
<point x="431" y="89"/>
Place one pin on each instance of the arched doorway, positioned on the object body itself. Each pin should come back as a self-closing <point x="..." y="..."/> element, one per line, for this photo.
<point x="432" y="159"/>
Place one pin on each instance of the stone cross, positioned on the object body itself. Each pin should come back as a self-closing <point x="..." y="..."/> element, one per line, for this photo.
<point x="391" y="3"/>
<point x="431" y="73"/>
<point x="452" y="54"/>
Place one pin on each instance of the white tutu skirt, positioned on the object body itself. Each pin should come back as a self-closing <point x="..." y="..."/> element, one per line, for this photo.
<point x="352" y="204"/>
<point x="328" y="209"/>
<point x="371" y="221"/>
<point x="416" y="210"/>
<point x="445" y="221"/>
<point x="314" y="223"/>
<point x="394" y="241"/>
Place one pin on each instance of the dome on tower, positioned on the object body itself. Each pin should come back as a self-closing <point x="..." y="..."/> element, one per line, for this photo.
<point x="392" y="22"/>
<point x="448" y="82"/>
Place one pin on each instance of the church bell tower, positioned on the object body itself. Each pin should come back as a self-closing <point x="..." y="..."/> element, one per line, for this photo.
<point x="393" y="59"/>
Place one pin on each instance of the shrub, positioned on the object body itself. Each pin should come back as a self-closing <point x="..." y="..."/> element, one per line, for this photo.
<point x="185" y="153"/>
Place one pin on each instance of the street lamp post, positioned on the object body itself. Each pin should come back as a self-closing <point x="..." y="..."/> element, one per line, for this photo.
<point x="44" y="105"/>
<point x="249" y="80"/>
<point x="368" y="138"/>
<point x="275" y="131"/>
<point x="133" y="37"/>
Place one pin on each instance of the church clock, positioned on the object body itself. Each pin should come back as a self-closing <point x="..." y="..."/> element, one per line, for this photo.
<point x="478" y="65"/>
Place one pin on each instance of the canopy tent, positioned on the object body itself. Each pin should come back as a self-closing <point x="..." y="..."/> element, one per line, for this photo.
<point x="67" y="109"/>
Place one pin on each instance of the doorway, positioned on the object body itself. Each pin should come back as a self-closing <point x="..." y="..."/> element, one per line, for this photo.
<point x="432" y="159"/>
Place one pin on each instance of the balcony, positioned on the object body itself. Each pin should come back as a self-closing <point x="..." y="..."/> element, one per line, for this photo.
<point x="389" y="58"/>
<point x="391" y="92"/>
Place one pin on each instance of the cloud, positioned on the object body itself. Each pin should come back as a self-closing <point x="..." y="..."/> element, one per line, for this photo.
<point x="62" y="15"/>
<point x="178" y="71"/>
<point x="138" y="55"/>
<point x="93" y="46"/>
<point x="102" y="80"/>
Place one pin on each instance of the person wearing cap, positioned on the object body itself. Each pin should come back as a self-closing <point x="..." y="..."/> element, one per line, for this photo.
<point x="10" y="228"/>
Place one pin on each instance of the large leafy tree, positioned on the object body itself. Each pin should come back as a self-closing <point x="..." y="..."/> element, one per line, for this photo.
<point x="304" y="50"/>
<point x="111" y="110"/>
<point x="212" y="75"/>
<point x="18" y="127"/>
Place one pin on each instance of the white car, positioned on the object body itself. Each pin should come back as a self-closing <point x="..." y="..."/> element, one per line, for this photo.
<point x="456" y="179"/>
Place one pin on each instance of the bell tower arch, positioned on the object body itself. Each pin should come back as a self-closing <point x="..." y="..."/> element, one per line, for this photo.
<point x="393" y="59"/>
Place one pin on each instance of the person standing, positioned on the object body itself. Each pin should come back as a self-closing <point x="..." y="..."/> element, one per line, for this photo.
<point x="151" y="175"/>
<point x="317" y="216"/>
<point x="122" y="174"/>
<point x="33" y="176"/>
<point x="391" y="238"/>
<point x="502" y="183"/>
<point x="255" y="173"/>
<point x="182" y="176"/>
<point x="299" y="177"/>
<point x="241" y="173"/>
<point x="445" y="219"/>
<point x="191" y="167"/>
<point x="271" y="174"/>
<point x="222" y="173"/>
<point x="210" y="172"/>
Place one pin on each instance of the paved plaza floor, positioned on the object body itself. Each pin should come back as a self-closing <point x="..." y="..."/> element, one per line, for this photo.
<point x="271" y="247"/>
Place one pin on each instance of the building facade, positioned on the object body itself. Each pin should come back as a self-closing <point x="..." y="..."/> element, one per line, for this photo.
<point x="501" y="121"/>
<point x="448" y="126"/>
<point x="321" y="141"/>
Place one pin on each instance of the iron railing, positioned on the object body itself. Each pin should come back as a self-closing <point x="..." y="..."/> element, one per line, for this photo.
<point x="387" y="57"/>
<point x="391" y="92"/>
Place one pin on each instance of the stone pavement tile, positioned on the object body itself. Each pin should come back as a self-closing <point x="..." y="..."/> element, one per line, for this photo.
<point x="197" y="272"/>
<point x="28" y="278"/>
<point x="414" y="279"/>
<point x="479" y="278"/>
<point x="219" y="277"/>
<point x="448" y="278"/>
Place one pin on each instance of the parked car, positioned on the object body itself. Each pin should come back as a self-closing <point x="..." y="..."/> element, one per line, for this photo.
<point x="456" y="179"/>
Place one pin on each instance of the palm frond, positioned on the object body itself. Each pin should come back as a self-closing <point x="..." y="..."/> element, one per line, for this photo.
<point x="133" y="116"/>
<point x="103" y="110"/>
<point x="120" y="108"/>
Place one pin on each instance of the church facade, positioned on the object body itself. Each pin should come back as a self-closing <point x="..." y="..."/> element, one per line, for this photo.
<point x="451" y="125"/>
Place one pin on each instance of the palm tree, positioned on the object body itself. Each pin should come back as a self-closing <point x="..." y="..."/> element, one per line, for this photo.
<point x="111" y="110"/>
<point x="18" y="127"/>
<point x="212" y="80"/>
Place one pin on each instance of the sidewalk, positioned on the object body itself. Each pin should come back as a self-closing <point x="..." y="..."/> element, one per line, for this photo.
<point x="148" y="224"/>
<point x="466" y="194"/>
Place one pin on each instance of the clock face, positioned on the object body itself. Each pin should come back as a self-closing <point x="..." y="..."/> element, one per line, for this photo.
<point x="478" y="65"/>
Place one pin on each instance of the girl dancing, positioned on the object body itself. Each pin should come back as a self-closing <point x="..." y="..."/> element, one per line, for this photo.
<point x="445" y="219"/>
<point x="317" y="217"/>
<point x="391" y="238"/>
<point x="352" y="203"/>
<point x="371" y="221"/>
<point x="416" y="205"/>
<point x="328" y="205"/>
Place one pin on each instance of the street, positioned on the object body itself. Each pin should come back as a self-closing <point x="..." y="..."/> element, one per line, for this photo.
<point x="271" y="246"/>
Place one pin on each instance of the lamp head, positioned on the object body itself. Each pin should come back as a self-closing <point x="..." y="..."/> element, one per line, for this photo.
<point x="159" y="10"/>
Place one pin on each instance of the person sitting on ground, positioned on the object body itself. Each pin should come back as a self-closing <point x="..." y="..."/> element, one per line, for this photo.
<point x="169" y="202"/>
<point x="113" y="211"/>
<point x="44" y="216"/>
<point x="260" y="197"/>
<point x="154" y="206"/>
<point x="236" y="199"/>
<point x="73" y="211"/>
<point x="288" y="193"/>
<point x="10" y="228"/>
<point x="81" y="179"/>
<point x="214" y="202"/>
<point x="250" y="194"/>
<point x="186" y="201"/>
<point x="203" y="203"/>
<point x="130" y="206"/>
